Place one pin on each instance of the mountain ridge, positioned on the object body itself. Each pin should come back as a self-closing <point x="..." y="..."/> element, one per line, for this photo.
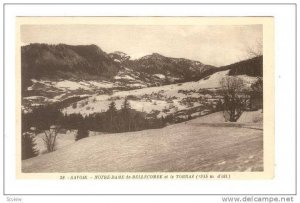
<point x="64" y="61"/>
<point x="90" y="62"/>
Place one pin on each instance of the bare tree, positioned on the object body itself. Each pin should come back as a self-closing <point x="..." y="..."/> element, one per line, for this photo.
<point x="256" y="88"/>
<point x="50" y="138"/>
<point x="234" y="99"/>
<point x="254" y="50"/>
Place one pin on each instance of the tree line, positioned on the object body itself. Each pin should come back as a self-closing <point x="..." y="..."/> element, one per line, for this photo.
<point x="112" y="121"/>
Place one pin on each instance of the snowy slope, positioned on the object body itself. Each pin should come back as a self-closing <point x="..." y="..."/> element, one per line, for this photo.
<point x="184" y="147"/>
<point x="169" y="97"/>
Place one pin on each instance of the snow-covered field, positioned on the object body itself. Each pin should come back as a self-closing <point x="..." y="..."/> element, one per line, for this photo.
<point x="71" y="85"/>
<point x="49" y="91"/>
<point x="196" y="145"/>
<point x="127" y="83"/>
<point x="62" y="140"/>
<point x="169" y="97"/>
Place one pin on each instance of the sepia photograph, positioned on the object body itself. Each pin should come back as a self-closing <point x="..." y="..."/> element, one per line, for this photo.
<point x="148" y="101"/>
<point x="142" y="94"/>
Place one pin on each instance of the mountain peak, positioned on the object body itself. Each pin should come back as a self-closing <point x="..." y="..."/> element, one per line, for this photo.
<point x="119" y="56"/>
<point x="119" y="53"/>
<point x="44" y="60"/>
<point x="156" y="54"/>
<point x="153" y="56"/>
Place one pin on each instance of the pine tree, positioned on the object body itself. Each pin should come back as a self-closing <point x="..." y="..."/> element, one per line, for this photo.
<point x="112" y="107"/>
<point x="126" y="106"/>
<point x="81" y="133"/>
<point x="126" y="117"/>
<point x="110" y="117"/>
<point x="28" y="146"/>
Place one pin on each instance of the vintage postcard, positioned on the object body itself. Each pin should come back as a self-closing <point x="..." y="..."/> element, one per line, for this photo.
<point x="145" y="97"/>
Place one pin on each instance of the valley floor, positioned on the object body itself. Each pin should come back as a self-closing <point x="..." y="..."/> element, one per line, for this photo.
<point x="196" y="145"/>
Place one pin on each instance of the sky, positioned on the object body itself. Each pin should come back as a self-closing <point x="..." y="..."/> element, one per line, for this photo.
<point x="216" y="45"/>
